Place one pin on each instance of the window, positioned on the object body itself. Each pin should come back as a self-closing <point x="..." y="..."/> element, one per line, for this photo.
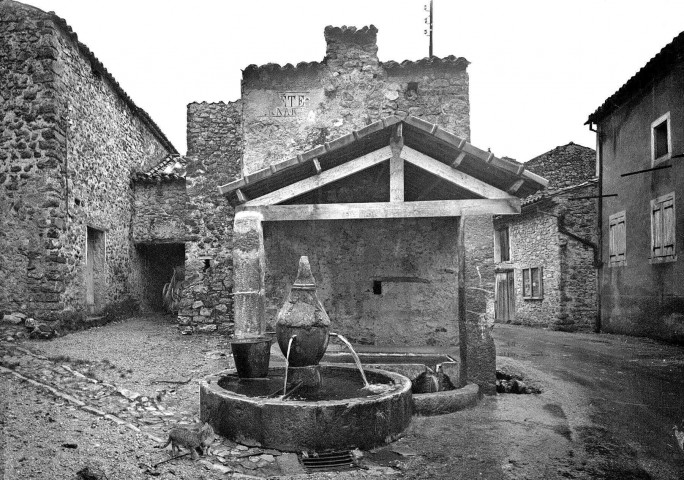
<point x="661" y="141"/>
<point x="532" y="283"/>
<point x="502" y="246"/>
<point x="663" y="228"/>
<point x="617" y="241"/>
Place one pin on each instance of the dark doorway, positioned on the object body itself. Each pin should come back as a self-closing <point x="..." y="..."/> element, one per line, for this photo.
<point x="95" y="269"/>
<point x="158" y="264"/>
<point x="504" y="311"/>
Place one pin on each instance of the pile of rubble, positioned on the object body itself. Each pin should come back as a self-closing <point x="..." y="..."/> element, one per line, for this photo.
<point x="16" y="325"/>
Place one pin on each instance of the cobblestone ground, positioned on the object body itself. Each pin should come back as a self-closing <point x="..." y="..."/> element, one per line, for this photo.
<point x="106" y="397"/>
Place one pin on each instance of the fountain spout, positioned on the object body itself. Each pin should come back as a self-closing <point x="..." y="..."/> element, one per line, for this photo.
<point x="357" y="360"/>
<point x="287" y="362"/>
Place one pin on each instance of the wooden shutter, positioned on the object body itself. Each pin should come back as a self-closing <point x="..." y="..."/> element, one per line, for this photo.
<point x="617" y="243"/>
<point x="656" y="229"/>
<point x="668" y="218"/>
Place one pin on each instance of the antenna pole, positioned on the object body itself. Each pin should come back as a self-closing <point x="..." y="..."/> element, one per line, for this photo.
<point x="430" y="28"/>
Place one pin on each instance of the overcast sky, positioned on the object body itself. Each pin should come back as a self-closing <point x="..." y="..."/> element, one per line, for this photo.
<point x="538" y="68"/>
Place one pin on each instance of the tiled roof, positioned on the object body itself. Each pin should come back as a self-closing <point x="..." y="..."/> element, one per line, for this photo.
<point x="419" y="134"/>
<point x="172" y="167"/>
<point x="547" y="194"/>
<point x="656" y="67"/>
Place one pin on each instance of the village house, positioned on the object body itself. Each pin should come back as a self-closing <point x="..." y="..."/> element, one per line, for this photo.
<point x="400" y="235"/>
<point x="640" y="141"/>
<point x="546" y="257"/>
<point x="70" y="140"/>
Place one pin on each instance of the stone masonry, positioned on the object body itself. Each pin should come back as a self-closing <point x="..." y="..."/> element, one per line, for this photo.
<point x="557" y="232"/>
<point x="70" y="138"/>
<point x="213" y="159"/>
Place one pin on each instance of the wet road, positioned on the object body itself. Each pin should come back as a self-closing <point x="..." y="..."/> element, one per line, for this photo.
<point x="621" y="396"/>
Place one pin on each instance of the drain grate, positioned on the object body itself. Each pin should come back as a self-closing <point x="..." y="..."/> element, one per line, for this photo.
<point x="328" y="461"/>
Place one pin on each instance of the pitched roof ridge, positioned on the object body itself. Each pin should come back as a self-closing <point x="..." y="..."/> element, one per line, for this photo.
<point x="654" y="68"/>
<point x="98" y="66"/>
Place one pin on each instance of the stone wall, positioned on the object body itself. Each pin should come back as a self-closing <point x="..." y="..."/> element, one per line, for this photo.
<point x="578" y="308"/>
<point x="72" y="138"/>
<point x="32" y="154"/>
<point x="534" y="242"/>
<point x="565" y="166"/>
<point x="288" y="110"/>
<point x="382" y="282"/>
<point x="558" y="233"/>
<point x="160" y="210"/>
<point x="214" y="154"/>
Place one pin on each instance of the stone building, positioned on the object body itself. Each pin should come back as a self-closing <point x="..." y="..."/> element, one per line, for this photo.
<point x="70" y="140"/>
<point x="103" y="211"/>
<point x="365" y="167"/>
<point x="640" y="139"/>
<point x="546" y="257"/>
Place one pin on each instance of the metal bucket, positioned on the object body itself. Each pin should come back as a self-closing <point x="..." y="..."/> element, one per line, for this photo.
<point x="251" y="356"/>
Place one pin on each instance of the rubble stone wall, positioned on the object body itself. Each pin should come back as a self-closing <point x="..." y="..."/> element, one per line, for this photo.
<point x="579" y="305"/>
<point x="565" y="166"/>
<point x="214" y="154"/>
<point x="32" y="154"/>
<point x="288" y="110"/>
<point x="535" y="242"/>
<point x="106" y="142"/>
<point x="160" y="211"/>
<point x="76" y="140"/>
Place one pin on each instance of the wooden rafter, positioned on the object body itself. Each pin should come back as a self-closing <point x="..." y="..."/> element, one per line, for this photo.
<point x="396" y="164"/>
<point x="462" y="180"/>
<point x="353" y="211"/>
<point x="325" y="177"/>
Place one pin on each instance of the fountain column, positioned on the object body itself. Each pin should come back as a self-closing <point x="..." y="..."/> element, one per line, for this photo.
<point x="249" y="264"/>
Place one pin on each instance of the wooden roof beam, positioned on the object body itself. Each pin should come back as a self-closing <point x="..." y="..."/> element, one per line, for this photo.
<point x="325" y="177"/>
<point x="357" y="211"/>
<point x="516" y="186"/>
<point x="458" y="178"/>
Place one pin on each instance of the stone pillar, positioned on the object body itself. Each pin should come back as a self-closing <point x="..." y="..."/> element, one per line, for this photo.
<point x="249" y="264"/>
<point x="477" y="320"/>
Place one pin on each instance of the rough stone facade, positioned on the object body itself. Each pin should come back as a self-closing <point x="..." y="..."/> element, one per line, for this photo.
<point x="288" y="110"/>
<point x="214" y="153"/>
<point x="557" y="232"/>
<point x="71" y="138"/>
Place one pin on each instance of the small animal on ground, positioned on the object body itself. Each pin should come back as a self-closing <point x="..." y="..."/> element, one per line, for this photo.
<point x="190" y="438"/>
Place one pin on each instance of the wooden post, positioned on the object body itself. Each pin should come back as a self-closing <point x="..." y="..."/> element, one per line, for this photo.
<point x="462" y="334"/>
<point x="396" y="172"/>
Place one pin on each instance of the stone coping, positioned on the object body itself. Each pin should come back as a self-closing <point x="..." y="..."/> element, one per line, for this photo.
<point x="449" y="401"/>
<point x="299" y="425"/>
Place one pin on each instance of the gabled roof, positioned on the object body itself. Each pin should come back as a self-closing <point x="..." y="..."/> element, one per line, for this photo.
<point x="656" y="67"/>
<point x="453" y="155"/>
<point x="170" y="168"/>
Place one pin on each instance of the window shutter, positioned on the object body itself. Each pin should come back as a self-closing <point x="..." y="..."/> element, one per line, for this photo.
<point x="656" y="229"/>
<point x="668" y="219"/>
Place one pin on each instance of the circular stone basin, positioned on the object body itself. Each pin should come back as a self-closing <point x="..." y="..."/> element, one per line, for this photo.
<point x="341" y="415"/>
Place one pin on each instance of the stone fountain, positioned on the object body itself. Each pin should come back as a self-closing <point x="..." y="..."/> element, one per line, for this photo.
<point x="306" y="405"/>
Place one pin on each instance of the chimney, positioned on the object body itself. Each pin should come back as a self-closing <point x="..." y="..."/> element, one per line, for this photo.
<point x="348" y="48"/>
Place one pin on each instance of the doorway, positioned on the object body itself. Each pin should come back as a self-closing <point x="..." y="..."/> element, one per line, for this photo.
<point x="95" y="269"/>
<point x="504" y="311"/>
<point x="160" y="263"/>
